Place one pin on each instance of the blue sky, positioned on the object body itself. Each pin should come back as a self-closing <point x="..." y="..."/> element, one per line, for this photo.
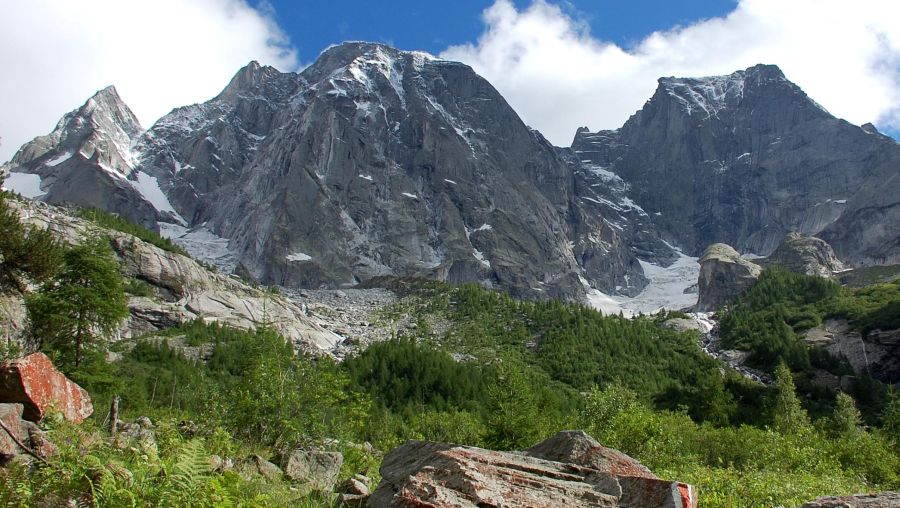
<point x="433" y="26"/>
<point x="561" y="64"/>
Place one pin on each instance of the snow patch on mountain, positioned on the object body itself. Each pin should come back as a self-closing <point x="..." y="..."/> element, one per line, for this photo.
<point x="708" y="94"/>
<point x="298" y="256"/>
<point x="59" y="159"/>
<point x="148" y="187"/>
<point x="666" y="289"/>
<point x="202" y="244"/>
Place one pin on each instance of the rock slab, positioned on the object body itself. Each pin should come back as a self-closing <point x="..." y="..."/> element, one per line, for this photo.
<point x="34" y="382"/>
<point x="422" y="473"/>
<point x="880" y="500"/>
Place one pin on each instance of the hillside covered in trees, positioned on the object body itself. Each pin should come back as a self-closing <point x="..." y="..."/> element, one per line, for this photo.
<point x="478" y="368"/>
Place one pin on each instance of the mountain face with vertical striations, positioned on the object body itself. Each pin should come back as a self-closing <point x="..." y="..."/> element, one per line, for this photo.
<point x="374" y="161"/>
<point x="370" y="162"/>
<point x="745" y="159"/>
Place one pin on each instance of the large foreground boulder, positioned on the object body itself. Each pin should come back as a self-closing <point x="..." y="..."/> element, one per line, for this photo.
<point x="35" y="383"/>
<point x="422" y="473"/>
<point x="724" y="274"/>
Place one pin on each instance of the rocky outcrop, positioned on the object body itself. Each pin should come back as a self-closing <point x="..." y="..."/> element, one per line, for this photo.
<point x="747" y="158"/>
<point x="34" y="382"/>
<point x="724" y="274"/>
<point x="806" y="255"/>
<point x="421" y="473"/>
<point x="184" y="290"/>
<point x="13" y="320"/>
<point x="876" y="353"/>
<point x="879" y="500"/>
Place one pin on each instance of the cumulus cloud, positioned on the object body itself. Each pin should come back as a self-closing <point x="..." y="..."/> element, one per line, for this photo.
<point x="159" y="54"/>
<point x="558" y="76"/>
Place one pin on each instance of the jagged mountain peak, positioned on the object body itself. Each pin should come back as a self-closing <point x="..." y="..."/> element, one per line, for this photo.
<point x="256" y="80"/>
<point x="710" y="95"/>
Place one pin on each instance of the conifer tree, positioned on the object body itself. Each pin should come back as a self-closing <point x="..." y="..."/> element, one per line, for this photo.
<point x="79" y="308"/>
<point x="846" y="419"/>
<point x="26" y="253"/>
<point x="789" y="416"/>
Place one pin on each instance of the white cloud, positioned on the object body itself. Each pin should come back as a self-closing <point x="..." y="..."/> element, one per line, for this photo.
<point x="558" y="76"/>
<point x="159" y="54"/>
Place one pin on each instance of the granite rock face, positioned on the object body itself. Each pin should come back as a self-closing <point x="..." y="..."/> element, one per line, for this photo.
<point x="183" y="290"/>
<point x="375" y="162"/>
<point x="876" y="353"/>
<point x="746" y="158"/>
<point x="724" y="274"/>
<point x="370" y="162"/>
<point x="421" y="473"/>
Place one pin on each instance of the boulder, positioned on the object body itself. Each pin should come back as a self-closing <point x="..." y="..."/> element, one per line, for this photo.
<point x="11" y="416"/>
<point x="313" y="469"/>
<point x="806" y="255"/>
<point x="724" y="274"/>
<point x="353" y="492"/>
<point x="880" y="500"/>
<point x="256" y="465"/>
<point x="422" y="473"/>
<point x="576" y="447"/>
<point x="138" y="435"/>
<point x="26" y="432"/>
<point x="34" y="382"/>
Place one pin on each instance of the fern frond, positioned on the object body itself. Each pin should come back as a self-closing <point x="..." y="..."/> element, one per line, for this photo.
<point x="15" y="487"/>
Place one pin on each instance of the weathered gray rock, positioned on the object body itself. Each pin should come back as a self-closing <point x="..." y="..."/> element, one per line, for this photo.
<point x="576" y="447"/>
<point x="315" y="470"/>
<point x="13" y="320"/>
<point x="421" y="473"/>
<point x="26" y="432"/>
<point x="876" y="354"/>
<point x="256" y="465"/>
<point x="352" y="493"/>
<point x="186" y="290"/>
<point x="879" y="500"/>
<point x="138" y="435"/>
<point x="724" y="274"/>
<point x="806" y="255"/>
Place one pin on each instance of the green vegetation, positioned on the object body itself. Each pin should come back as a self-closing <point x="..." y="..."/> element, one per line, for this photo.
<point x="111" y="221"/>
<point x="26" y="253"/>
<point x="75" y="311"/>
<point x="768" y="318"/>
<point x="477" y="368"/>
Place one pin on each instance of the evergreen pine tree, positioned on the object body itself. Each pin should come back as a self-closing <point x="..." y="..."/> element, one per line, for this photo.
<point x="789" y="416"/>
<point x="81" y="306"/>
<point x="846" y="419"/>
<point x="26" y="253"/>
